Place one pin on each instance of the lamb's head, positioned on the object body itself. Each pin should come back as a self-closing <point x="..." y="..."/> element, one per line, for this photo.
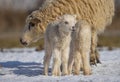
<point x="34" y="28"/>
<point x="82" y="24"/>
<point x="67" y="23"/>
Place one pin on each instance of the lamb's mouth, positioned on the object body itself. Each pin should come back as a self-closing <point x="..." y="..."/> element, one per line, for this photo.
<point x="73" y="30"/>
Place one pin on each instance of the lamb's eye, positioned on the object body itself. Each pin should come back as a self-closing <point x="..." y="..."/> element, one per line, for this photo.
<point x="66" y="22"/>
<point x="31" y="25"/>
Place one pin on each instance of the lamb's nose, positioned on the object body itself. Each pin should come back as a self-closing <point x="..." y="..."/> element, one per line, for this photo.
<point x="73" y="28"/>
<point x="23" y="42"/>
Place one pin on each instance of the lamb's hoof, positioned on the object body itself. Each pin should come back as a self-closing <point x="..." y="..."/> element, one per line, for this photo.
<point x="64" y="74"/>
<point x="56" y="74"/>
<point x="87" y="73"/>
<point x="76" y="73"/>
<point x="59" y="74"/>
<point x="45" y="74"/>
<point x="69" y="73"/>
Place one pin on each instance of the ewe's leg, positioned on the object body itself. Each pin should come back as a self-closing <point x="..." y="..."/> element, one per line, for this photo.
<point x="56" y="62"/>
<point x="47" y="58"/>
<point x="77" y="62"/>
<point x="94" y="56"/>
<point x="97" y="56"/>
<point x="64" y="58"/>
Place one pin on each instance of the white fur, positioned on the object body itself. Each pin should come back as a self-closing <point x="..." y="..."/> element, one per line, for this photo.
<point x="57" y="41"/>
<point x="80" y="48"/>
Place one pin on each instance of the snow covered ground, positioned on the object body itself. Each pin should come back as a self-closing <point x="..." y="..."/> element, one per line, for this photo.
<point x="26" y="65"/>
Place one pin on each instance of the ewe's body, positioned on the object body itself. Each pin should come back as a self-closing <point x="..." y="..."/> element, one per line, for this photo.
<point x="57" y="41"/>
<point x="98" y="13"/>
<point x="80" y="48"/>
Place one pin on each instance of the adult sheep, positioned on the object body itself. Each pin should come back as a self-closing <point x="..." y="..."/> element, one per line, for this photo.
<point x="98" y="13"/>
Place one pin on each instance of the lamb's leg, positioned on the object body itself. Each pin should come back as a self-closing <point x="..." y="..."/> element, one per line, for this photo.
<point x="77" y="62"/>
<point x="56" y="62"/>
<point x="86" y="64"/>
<point x="64" y="58"/>
<point x="47" y="58"/>
<point x="85" y="44"/>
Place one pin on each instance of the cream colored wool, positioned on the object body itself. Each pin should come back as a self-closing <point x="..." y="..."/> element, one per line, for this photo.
<point x="80" y="49"/>
<point x="98" y="13"/>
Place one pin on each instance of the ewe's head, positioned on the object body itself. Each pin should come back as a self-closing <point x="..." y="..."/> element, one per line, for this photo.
<point x="67" y="23"/>
<point x="33" y="29"/>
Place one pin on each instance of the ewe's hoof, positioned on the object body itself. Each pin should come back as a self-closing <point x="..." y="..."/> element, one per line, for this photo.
<point x="93" y="62"/>
<point x="98" y="61"/>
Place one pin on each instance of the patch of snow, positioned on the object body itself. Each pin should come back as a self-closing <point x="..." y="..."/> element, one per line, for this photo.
<point x="26" y="65"/>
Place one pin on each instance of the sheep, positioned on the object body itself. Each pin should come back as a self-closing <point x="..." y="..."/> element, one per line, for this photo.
<point x="57" y="41"/>
<point x="80" y="48"/>
<point x="98" y="13"/>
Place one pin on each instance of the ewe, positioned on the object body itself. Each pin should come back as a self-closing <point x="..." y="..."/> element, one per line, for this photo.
<point x="98" y="13"/>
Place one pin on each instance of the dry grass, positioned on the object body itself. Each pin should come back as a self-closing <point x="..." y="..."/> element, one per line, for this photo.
<point x="109" y="41"/>
<point x="14" y="43"/>
<point x="13" y="21"/>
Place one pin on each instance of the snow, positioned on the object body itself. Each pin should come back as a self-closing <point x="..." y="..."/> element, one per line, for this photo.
<point x="26" y="65"/>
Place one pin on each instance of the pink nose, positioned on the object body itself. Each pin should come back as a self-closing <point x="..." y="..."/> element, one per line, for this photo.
<point x="23" y="42"/>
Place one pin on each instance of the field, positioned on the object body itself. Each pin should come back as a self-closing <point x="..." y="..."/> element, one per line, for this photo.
<point x="20" y="64"/>
<point x="12" y="25"/>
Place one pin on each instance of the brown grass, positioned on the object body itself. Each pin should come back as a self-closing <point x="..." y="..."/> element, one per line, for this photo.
<point x="13" y="22"/>
<point x="109" y="41"/>
<point x="14" y="43"/>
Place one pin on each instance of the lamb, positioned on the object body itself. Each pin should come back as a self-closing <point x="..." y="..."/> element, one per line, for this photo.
<point x="98" y="13"/>
<point x="80" y="48"/>
<point x="57" y="41"/>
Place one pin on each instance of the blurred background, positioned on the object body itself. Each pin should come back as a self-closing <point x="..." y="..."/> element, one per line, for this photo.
<point x="12" y="20"/>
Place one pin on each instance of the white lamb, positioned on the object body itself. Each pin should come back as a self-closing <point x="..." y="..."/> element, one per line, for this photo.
<point x="80" y="48"/>
<point x="57" y="44"/>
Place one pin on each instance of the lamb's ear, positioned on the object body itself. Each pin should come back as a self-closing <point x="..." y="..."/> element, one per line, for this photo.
<point x="58" y="18"/>
<point x="75" y="16"/>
